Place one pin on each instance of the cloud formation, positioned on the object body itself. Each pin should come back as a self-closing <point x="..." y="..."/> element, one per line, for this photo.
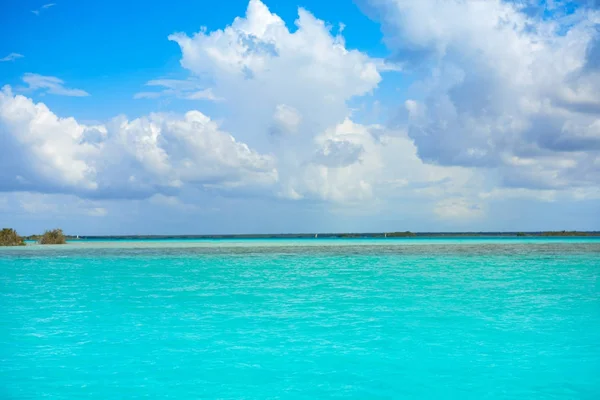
<point x="287" y="89"/>
<point x="122" y="158"/>
<point x="504" y="105"/>
<point x="267" y="73"/>
<point x="504" y="89"/>
<point x="11" y="57"/>
<point x="51" y="85"/>
<point x="367" y="164"/>
<point x="189" y="89"/>
<point x="42" y="8"/>
<point x="307" y="145"/>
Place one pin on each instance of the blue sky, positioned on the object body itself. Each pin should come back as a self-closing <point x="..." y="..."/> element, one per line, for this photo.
<point x="113" y="53"/>
<point x="281" y="116"/>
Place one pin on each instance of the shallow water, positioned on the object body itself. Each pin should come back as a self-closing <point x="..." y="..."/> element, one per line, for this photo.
<point x="255" y="319"/>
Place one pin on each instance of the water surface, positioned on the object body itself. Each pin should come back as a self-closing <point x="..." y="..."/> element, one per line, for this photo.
<point x="419" y="318"/>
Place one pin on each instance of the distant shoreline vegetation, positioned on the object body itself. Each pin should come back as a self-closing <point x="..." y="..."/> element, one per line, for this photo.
<point x="405" y="234"/>
<point x="55" y="236"/>
<point x="9" y="237"/>
<point x="570" y="233"/>
<point x="400" y="234"/>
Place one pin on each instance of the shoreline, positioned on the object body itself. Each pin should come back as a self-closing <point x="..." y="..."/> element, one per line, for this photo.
<point x="366" y="235"/>
<point x="173" y="243"/>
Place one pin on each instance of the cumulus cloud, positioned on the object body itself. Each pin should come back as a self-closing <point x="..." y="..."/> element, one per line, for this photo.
<point x="52" y="85"/>
<point x="505" y="89"/>
<point x="505" y="106"/>
<point x="193" y="150"/>
<point x="40" y="150"/>
<point x="276" y="80"/>
<point x="288" y="91"/>
<point x="286" y="120"/>
<point x="339" y="153"/>
<point x="249" y="64"/>
<point x="122" y="158"/>
<point x="353" y="163"/>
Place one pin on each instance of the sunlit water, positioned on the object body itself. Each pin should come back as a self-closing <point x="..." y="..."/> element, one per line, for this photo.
<point x="292" y="319"/>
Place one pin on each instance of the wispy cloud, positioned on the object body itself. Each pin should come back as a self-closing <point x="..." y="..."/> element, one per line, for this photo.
<point x="11" y="57"/>
<point x="181" y="89"/>
<point x="52" y="85"/>
<point x="44" y="7"/>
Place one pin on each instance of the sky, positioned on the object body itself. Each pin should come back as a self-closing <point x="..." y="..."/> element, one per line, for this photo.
<point x="273" y="116"/>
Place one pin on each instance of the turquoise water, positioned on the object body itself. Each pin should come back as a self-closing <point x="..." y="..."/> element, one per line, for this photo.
<point x="302" y="319"/>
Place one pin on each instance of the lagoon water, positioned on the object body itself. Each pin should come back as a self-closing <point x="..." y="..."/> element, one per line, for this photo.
<point x="302" y="319"/>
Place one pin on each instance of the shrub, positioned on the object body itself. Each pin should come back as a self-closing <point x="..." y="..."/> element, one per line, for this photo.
<point x="564" y="233"/>
<point x="401" y="234"/>
<point x="9" y="237"/>
<point x="54" y="236"/>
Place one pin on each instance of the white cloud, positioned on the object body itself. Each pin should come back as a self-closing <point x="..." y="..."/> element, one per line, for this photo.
<point x="41" y="150"/>
<point x="52" y="85"/>
<point x="286" y="120"/>
<point x="506" y="90"/>
<point x="192" y="149"/>
<point x="285" y="89"/>
<point x="123" y="158"/>
<point x="295" y="87"/>
<point x="11" y="57"/>
<point x="353" y="163"/>
<point x="478" y="119"/>
<point x="42" y="8"/>
<point x="322" y="154"/>
<point x="262" y="69"/>
<point x="189" y="89"/>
